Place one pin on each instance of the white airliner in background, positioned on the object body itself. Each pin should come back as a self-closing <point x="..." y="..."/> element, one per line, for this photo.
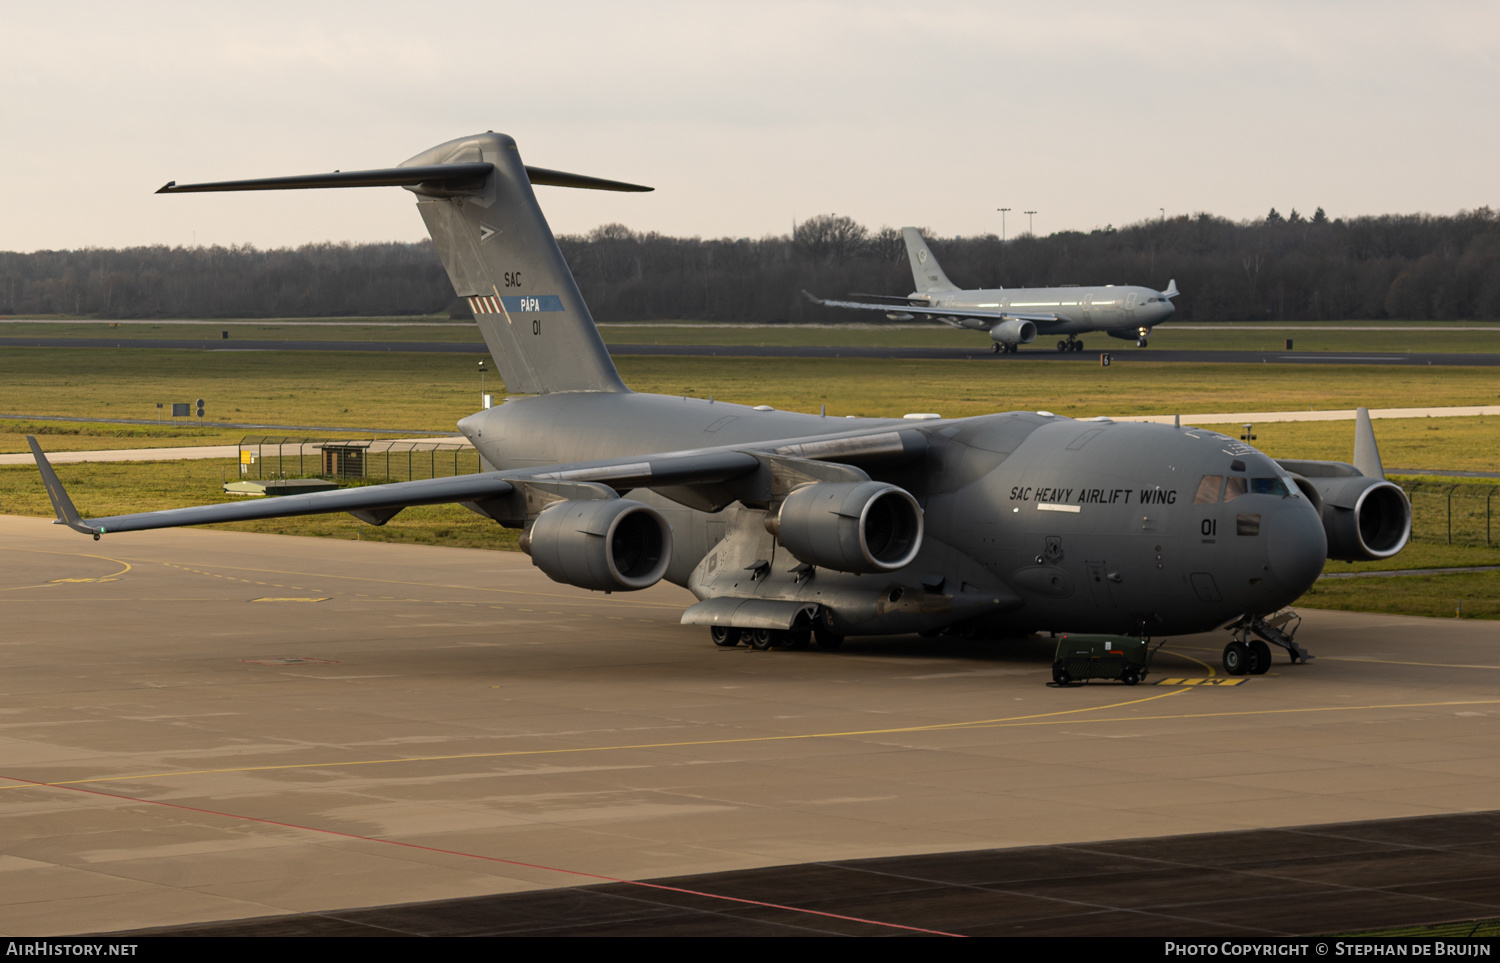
<point x="1015" y="316"/>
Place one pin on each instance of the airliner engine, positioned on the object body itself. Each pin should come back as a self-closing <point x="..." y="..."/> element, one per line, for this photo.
<point x="1013" y="332"/>
<point x="857" y="527"/>
<point x="613" y="545"/>
<point x="1364" y="518"/>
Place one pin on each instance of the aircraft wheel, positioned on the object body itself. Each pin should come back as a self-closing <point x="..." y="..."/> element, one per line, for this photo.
<point x="1140" y="342"/>
<point x="826" y="639"/>
<point x="1236" y="658"/>
<point x="799" y="638"/>
<point x="763" y="639"/>
<point x="1130" y="675"/>
<point x="1077" y="345"/>
<point x="724" y="636"/>
<point x="1062" y="346"/>
<point x="1060" y="675"/>
<point x="998" y="347"/>
<point x="1260" y="657"/>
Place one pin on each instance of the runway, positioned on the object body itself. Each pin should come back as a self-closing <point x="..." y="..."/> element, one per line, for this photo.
<point x="1123" y="353"/>
<point x="203" y="725"/>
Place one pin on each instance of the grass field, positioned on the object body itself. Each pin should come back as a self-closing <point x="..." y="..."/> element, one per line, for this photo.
<point x="94" y="436"/>
<point x="101" y="489"/>
<point x="431" y="392"/>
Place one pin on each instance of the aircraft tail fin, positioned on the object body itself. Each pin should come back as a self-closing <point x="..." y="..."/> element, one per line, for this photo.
<point x="924" y="267"/>
<point x="1366" y="452"/>
<point x="1171" y="291"/>
<point x="476" y="198"/>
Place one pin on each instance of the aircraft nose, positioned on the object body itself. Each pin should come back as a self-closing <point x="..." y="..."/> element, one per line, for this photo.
<point x="1296" y="547"/>
<point x="1167" y="310"/>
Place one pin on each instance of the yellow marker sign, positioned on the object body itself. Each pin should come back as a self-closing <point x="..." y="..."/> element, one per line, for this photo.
<point x="1203" y="681"/>
<point x="247" y="457"/>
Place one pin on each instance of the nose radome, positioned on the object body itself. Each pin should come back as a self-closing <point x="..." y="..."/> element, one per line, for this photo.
<point x="1296" y="547"/>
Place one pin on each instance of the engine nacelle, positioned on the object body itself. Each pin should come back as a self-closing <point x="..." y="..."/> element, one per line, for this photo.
<point x="1364" y="518"/>
<point x="857" y="527"/>
<point x="1014" y="332"/>
<point x="612" y="545"/>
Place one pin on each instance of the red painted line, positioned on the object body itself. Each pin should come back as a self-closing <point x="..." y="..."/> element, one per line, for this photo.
<point x="491" y="859"/>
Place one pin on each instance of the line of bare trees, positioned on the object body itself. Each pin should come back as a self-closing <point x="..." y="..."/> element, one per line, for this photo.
<point x="1280" y="267"/>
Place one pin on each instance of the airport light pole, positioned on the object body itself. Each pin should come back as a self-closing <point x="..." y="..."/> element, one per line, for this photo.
<point x="1002" y="211"/>
<point x="1029" y="229"/>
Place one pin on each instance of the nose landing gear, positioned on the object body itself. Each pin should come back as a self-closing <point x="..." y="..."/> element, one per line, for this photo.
<point x="1252" y="656"/>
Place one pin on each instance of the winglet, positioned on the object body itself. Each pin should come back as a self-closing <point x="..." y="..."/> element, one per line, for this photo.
<point x="61" y="503"/>
<point x="1171" y="291"/>
<point x="1366" y="453"/>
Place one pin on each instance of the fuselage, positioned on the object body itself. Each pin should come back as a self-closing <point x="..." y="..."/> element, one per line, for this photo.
<point x="1033" y="522"/>
<point x="1078" y="309"/>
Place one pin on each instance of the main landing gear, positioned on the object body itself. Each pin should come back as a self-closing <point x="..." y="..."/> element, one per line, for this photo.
<point x="765" y="639"/>
<point x="1002" y="348"/>
<point x="1252" y="656"/>
<point x="1072" y="344"/>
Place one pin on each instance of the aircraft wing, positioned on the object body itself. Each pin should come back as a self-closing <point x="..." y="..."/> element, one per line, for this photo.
<point x="987" y="317"/>
<point x="694" y="471"/>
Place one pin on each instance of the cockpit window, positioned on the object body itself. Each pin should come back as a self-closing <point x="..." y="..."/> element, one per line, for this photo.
<point x="1235" y="488"/>
<point x="1208" y="490"/>
<point x="1268" y="486"/>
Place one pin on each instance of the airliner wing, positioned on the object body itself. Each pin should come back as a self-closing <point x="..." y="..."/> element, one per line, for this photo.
<point x="987" y="317"/>
<point x="501" y="494"/>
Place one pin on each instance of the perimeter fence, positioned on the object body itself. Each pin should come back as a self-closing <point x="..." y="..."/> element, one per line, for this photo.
<point x="1453" y="513"/>
<point x="380" y="460"/>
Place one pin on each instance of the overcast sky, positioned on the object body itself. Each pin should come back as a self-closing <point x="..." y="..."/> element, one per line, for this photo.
<point x="744" y="116"/>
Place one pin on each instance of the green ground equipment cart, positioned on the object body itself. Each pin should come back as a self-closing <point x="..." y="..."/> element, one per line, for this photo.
<point x="1081" y="658"/>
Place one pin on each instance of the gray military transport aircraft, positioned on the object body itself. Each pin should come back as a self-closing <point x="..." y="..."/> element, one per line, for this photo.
<point x="1015" y="316"/>
<point x="791" y="527"/>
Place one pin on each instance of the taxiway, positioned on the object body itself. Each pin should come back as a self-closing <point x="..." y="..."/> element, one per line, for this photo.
<point x="204" y="725"/>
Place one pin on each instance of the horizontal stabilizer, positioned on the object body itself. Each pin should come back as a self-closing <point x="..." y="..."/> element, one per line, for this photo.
<point x="542" y="177"/>
<point x="448" y="176"/>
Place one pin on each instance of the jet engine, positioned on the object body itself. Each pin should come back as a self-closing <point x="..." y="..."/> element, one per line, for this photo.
<point x="857" y="527"/>
<point x="1013" y="332"/>
<point x="1364" y="518"/>
<point x="612" y="545"/>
